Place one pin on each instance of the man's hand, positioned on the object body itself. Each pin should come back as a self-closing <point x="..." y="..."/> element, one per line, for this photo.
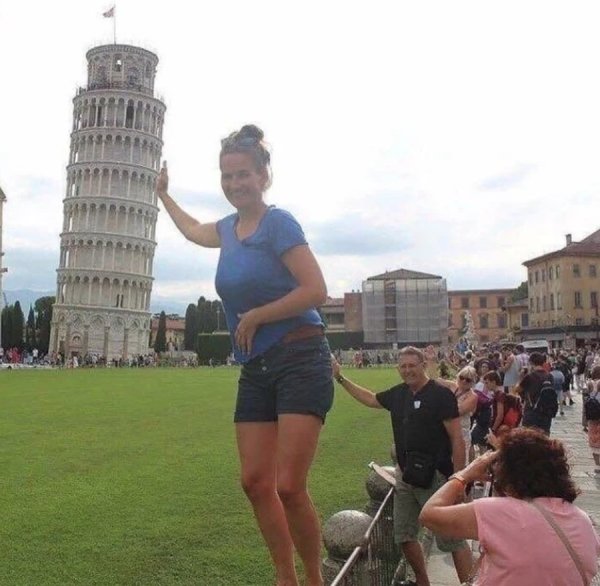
<point x="162" y="183"/>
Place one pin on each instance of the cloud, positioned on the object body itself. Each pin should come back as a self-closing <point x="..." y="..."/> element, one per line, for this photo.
<point x="347" y="236"/>
<point x="30" y="269"/>
<point x="508" y="180"/>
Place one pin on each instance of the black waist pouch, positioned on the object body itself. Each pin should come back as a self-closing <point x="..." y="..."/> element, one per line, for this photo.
<point x="419" y="469"/>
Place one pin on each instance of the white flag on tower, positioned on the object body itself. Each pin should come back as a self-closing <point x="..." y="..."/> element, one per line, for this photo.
<point x="109" y="13"/>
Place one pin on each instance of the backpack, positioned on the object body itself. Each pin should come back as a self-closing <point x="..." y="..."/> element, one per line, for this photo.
<point x="546" y="402"/>
<point x="513" y="411"/>
<point x="591" y="406"/>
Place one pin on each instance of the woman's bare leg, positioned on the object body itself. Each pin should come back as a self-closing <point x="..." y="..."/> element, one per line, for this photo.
<point x="257" y="447"/>
<point x="296" y="447"/>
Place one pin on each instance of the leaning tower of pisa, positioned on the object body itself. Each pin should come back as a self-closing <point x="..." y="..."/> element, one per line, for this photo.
<point x="110" y="209"/>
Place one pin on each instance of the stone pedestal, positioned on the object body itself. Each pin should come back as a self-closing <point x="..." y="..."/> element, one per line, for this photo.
<point x="342" y="534"/>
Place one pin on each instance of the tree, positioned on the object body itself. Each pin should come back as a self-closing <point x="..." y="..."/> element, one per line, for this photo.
<point x="190" y="335"/>
<point x="43" y="309"/>
<point x="160" y="343"/>
<point x="7" y="333"/>
<point x="202" y="315"/>
<point x="30" y="333"/>
<point x="18" y="325"/>
<point x="521" y="292"/>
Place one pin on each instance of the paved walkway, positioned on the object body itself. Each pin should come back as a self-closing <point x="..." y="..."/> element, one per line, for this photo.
<point x="568" y="429"/>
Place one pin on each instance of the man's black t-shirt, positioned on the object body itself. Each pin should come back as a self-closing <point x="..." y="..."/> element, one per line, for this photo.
<point x="418" y="421"/>
<point x="531" y="385"/>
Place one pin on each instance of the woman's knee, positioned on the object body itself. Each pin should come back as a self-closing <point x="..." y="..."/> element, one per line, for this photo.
<point x="257" y="487"/>
<point x="291" y="492"/>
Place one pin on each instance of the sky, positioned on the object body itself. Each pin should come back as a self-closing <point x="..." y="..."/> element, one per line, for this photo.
<point x="455" y="138"/>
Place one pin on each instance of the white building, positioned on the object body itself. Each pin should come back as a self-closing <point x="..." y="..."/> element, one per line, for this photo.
<point x="107" y="244"/>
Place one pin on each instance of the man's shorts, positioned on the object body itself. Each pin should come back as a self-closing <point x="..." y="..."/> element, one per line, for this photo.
<point x="408" y="502"/>
<point x="292" y="377"/>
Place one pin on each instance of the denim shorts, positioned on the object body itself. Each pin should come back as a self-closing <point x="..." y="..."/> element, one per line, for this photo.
<point x="293" y="377"/>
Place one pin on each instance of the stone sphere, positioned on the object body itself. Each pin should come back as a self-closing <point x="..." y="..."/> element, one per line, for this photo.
<point x="344" y="531"/>
<point x="376" y="486"/>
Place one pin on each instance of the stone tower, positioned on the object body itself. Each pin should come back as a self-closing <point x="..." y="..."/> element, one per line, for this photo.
<point x="108" y="238"/>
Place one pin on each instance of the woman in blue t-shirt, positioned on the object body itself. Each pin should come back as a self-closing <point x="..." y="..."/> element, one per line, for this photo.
<point x="270" y="285"/>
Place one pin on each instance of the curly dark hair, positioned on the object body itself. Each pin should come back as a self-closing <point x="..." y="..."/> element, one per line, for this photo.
<point x="531" y="465"/>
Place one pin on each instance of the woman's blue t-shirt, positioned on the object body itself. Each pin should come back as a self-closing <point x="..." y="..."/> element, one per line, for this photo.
<point x="251" y="274"/>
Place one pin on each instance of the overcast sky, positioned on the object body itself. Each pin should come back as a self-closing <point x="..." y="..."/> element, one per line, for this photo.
<point x="457" y="138"/>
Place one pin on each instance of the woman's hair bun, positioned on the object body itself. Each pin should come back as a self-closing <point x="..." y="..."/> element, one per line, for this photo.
<point x="251" y="131"/>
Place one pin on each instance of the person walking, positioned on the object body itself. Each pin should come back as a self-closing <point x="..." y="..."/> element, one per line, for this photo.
<point x="270" y="285"/>
<point x="540" y="404"/>
<point x="593" y="423"/>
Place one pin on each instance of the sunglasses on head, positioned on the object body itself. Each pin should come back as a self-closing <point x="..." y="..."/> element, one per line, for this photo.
<point x="465" y="379"/>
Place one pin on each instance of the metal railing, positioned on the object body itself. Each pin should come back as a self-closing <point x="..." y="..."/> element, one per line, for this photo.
<point x="376" y="562"/>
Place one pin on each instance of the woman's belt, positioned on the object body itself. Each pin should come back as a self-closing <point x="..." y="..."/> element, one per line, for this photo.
<point x="303" y="332"/>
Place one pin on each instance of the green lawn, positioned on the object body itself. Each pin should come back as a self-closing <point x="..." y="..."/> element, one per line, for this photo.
<point x="130" y="477"/>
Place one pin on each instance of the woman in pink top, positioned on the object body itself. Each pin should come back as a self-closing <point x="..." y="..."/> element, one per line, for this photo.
<point x="519" y="546"/>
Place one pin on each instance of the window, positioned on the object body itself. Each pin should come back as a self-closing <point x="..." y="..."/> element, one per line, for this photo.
<point x="501" y="301"/>
<point x="551" y="300"/>
<point x="576" y="271"/>
<point x="543" y="275"/>
<point x="537" y="304"/>
<point x="464" y="302"/>
<point x="524" y="320"/>
<point x="450" y="320"/>
<point x="537" y="276"/>
<point x="594" y="299"/>
<point x="550" y="273"/>
<point x="129" y="116"/>
<point x="593" y="271"/>
<point x="578" y="299"/>
<point x="530" y="277"/>
<point x="483" y="302"/>
<point x="118" y="63"/>
<point x="579" y="321"/>
<point x="501" y="320"/>
<point x="531" y="304"/>
<point x="557" y="271"/>
<point x="483" y="321"/>
<point x="558" y="302"/>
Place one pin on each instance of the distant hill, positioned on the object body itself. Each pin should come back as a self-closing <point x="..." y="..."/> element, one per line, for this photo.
<point x="27" y="297"/>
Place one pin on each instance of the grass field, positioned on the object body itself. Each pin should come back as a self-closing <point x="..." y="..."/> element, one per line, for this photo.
<point x="130" y="477"/>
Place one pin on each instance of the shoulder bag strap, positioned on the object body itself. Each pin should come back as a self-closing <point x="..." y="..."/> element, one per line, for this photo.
<point x="576" y="559"/>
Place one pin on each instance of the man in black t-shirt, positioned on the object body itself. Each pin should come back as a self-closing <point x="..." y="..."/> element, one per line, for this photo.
<point x="529" y="389"/>
<point x="425" y="422"/>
